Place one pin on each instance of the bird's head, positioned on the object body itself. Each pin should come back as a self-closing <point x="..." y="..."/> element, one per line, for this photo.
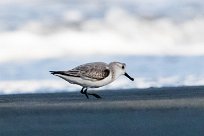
<point x="119" y="69"/>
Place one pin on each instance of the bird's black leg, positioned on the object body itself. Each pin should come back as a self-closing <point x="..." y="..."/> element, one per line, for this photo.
<point x="95" y="95"/>
<point x="84" y="92"/>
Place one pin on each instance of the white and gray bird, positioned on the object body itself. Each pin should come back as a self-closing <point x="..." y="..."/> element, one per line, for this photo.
<point x="93" y="75"/>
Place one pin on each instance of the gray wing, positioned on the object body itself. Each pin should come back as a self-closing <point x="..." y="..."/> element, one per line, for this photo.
<point x="90" y="71"/>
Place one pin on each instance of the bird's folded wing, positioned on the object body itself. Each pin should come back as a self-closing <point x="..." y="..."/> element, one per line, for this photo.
<point x="92" y="72"/>
<point x="74" y="73"/>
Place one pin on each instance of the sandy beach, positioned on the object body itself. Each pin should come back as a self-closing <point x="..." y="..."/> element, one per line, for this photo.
<point x="166" y="111"/>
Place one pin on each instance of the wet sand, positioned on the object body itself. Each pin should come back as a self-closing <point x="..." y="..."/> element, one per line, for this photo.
<point x="166" y="111"/>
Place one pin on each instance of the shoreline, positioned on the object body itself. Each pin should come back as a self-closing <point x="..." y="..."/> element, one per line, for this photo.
<point x="166" y="97"/>
<point x="144" y="112"/>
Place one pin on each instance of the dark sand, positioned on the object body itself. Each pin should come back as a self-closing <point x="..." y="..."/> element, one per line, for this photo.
<point x="175" y="111"/>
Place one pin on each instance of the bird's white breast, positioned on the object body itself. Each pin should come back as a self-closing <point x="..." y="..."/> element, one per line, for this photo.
<point x="88" y="83"/>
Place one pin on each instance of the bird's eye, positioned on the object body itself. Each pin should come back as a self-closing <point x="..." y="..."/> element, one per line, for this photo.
<point x="123" y="66"/>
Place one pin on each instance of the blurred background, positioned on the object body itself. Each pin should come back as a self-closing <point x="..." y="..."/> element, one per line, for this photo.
<point x="161" y="42"/>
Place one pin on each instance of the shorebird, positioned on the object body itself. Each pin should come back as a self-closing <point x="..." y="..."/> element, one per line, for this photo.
<point x="93" y="75"/>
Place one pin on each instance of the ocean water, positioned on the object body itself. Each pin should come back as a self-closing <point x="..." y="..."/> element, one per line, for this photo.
<point x="148" y="71"/>
<point x="161" y="41"/>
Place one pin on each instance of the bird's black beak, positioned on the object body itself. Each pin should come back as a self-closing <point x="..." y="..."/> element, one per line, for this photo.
<point x="129" y="77"/>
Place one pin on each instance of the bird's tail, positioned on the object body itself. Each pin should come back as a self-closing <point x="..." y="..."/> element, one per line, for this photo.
<point x="57" y="72"/>
<point x="64" y="73"/>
